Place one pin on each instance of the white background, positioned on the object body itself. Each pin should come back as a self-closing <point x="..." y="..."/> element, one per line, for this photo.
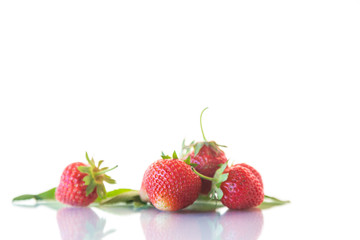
<point x="127" y="80"/>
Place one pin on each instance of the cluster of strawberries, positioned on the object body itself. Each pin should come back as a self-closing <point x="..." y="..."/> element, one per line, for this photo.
<point x="171" y="184"/>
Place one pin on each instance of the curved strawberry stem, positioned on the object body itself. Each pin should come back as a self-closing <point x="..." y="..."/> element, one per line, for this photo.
<point x="216" y="181"/>
<point x="202" y="176"/>
<point x="202" y="131"/>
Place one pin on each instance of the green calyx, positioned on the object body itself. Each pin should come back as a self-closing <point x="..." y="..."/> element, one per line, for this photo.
<point x="216" y="181"/>
<point x="174" y="156"/>
<point x="96" y="176"/>
<point x="197" y="146"/>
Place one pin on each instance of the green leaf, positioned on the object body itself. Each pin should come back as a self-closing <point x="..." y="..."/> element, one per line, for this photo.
<point x="163" y="156"/>
<point x="139" y="205"/>
<point x="47" y="195"/>
<point x="272" y="202"/>
<point x="275" y="199"/>
<point x="198" y="147"/>
<point x="114" y="193"/>
<point x="175" y="155"/>
<point x="204" y="204"/>
<point x="124" y="197"/>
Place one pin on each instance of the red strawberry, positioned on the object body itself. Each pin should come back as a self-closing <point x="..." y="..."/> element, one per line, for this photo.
<point x="81" y="184"/>
<point x="170" y="184"/>
<point x="242" y="188"/>
<point x="256" y="173"/>
<point x="208" y="156"/>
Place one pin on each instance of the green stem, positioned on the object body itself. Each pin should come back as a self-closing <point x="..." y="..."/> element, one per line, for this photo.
<point x="104" y="171"/>
<point x="202" y="176"/>
<point x="201" y="123"/>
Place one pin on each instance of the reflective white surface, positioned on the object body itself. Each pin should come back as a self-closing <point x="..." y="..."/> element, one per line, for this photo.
<point x="284" y="222"/>
<point x="114" y="222"/>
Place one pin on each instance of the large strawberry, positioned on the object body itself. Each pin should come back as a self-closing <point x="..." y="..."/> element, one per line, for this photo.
<point x="81" y="184"/>
<point x="170" y="184"/>
<point x="207" y="155"/>
<point x="243" y="187"/>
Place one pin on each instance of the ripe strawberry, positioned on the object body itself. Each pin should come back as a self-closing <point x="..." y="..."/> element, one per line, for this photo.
<point x="81" y="184"/>
<point x="243" y="187"/>
<point x="171" y="184"/>
<point x="256" y="173"/>
<point x="208" y="156"/>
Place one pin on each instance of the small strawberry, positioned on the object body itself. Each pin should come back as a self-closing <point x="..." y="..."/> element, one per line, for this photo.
<point x="208" y="156"/>
<point x="81" y="184"/>
<point x="170" y="184"/>
<point x="238" y="187"/>
<point x="243" y="187"/>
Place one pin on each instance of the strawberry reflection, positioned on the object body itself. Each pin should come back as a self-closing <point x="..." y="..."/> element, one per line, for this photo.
<point x="242" y="224"/>
<point x="180" y="225"/>
<point x="80" y="223"/>
<point x="245" y="225"/>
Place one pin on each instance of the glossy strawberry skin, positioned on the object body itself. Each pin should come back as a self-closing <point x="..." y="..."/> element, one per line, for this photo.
<point x="72" y="189"/>
<point x="208" y="160"/>
<point x="171" y="185"/>
<point x="253" y="170"/>
<point x="242" y="189"/>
